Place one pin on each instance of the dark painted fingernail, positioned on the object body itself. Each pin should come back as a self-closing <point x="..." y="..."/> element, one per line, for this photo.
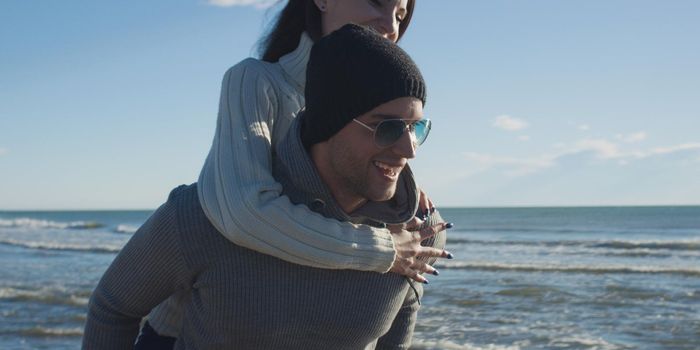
<point x="426" y="282"/>
<point x="449" y="225"/>
<point x="436" y="273"/>
<point x="427" y="212"/>
<point x="450" y="256"/>
<point x="432" y="210"/>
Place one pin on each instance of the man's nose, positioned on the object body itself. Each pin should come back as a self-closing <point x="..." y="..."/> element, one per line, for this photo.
<point x="406" y="146"/>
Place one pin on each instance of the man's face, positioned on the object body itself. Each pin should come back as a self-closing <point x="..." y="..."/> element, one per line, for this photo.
<point x="355" y="168"/>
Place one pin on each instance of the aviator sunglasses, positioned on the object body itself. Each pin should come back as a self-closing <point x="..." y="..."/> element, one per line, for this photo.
<point x="388" y="131"/>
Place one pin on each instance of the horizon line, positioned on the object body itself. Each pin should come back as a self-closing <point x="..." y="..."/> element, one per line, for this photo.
<point x="442" y="207"/>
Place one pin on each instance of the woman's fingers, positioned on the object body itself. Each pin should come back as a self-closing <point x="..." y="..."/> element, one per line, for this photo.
<point x="430" y="231"/>
<point x="414" y="224"/>
<point x="415" y="270"/>
<point x="407" y="243"/>
<point x="412" y="268"/>
<point x="425" y="268"/>
<point x="424" y="203"/>
<point x="405" y="267"/>
<point x="408" y="248"/>
<point x="435" y="253"/>
<point x="416" y="276"/>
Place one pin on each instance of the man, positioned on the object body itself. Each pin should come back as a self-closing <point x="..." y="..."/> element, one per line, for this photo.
<point x="345" y="157"/>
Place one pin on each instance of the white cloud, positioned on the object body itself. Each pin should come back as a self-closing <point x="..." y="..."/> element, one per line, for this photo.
<point x="584" y="127"/>
<point x="229" y="3"/>
<point x="524" y="138"/>
<point x="601" y="147"/>
<point x="676" y="148"/>
<point x="605" y="149"/>
<point x="509" y="123"/>
<point x="518" y="166"/>
<point x="632" y="138"/>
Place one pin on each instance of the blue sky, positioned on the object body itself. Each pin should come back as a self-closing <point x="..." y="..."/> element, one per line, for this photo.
<point x="108" y="105"/>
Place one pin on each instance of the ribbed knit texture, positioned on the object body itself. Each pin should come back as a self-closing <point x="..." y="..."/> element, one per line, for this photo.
<point x="239" y="298"/>
<point x="226" y="296"/>
<point x="294" y="169"/>
<point x="236" y="188"/>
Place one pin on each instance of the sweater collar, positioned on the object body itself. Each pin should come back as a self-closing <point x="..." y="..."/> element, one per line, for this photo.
<point x="294" y="169"/>
<point x="294" y="63"/>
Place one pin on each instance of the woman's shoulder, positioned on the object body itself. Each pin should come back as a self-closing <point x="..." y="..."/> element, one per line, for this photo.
<point x="256" y="69"/>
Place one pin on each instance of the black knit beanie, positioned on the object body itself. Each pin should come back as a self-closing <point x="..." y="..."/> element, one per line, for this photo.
<point x="350" y="72"/>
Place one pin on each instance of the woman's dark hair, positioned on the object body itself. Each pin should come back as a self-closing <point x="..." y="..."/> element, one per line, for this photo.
<point x="303" y="16"/>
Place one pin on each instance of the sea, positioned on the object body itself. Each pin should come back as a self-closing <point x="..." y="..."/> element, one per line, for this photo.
<point x="522" y="278"/>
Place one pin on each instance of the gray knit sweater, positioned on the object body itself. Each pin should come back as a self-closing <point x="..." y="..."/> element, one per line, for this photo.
<point x="238" y="298"/>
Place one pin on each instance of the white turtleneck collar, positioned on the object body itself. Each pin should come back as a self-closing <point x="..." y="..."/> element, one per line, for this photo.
<point x="294" y="63"/>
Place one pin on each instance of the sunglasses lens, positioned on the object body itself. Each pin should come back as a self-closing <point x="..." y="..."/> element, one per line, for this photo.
<point x="389" y="131"/>
<point x="421" y="130"/>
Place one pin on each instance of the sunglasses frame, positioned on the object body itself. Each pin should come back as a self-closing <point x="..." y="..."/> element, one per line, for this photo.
<point x="408" y="125"/>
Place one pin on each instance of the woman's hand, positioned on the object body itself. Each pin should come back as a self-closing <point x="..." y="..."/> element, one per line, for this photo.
<point x="407" y="239"/>
<point x="425" y="205"/>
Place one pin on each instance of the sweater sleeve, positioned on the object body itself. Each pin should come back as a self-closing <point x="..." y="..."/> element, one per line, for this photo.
<point x="244" y="202"/>
<point x="146" y="271"/>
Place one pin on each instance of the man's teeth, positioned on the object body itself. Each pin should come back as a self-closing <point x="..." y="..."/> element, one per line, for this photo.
<point x="389" y="170"/>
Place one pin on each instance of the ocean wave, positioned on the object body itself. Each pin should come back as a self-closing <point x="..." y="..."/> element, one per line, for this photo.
<point x="568" y="269"/>
<point x="580" y="342"/>
<point x="449" y="345"/>
<point x="678" y="245"/>
<point x="640" y="253"/>
<point x="123" y="228"/>
<point x="38" y="331"/>
<point x="76" y="247"/>
<point x="47" y="295"/>
<point x="670" y="245"/>
<point x="558" y="230"/>
<point x="530" y="230"/>
<point x="39" y="224"/>
<point x="533" y="292"/>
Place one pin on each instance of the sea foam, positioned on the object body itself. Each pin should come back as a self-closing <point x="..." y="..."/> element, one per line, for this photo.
<point x="41" y="224"/>
<point x="51" y="245"/>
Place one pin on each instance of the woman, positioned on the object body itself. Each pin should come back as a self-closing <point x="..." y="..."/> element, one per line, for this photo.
<point x="258" y="101"/>
<point x="236" y="189"/>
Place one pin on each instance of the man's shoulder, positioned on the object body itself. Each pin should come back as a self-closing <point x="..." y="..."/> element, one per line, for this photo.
<point x="182" y="192"/>
<point x="194" y="228"/>
<point x="184" y="200"/>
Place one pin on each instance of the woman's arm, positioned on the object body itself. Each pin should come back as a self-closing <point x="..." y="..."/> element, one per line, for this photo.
<point x="244" y="202"/>
<point x="147" y="270"/>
